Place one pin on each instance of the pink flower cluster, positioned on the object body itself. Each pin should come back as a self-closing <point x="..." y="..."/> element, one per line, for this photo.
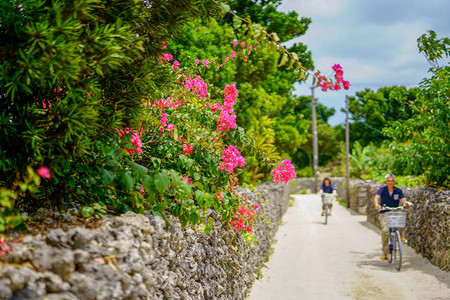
<point x="197" y="85"/>
<point x="163" y="123"/>
<point x="246" y="216"/>
<point x="339" y="77"/>
<point x="227" y="118"/>
<point x="187" y="179"/>
<point x="175" y="65"/>
<point x="187" y="149"/>
<point x="284" y="172"/>
<point x="165" y="57"/>
<point x="44" y="172"/>
<point x="231" y="159"/>
<point x="167" y="102"/>
<point x="135" y="140"/>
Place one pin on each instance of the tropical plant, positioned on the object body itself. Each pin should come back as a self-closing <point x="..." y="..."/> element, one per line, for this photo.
<point x="422" y="142"/>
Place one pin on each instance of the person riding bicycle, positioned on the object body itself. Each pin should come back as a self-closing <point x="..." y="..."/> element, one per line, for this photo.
<point x="327" y="188"/>
<point x="392" y="197"/>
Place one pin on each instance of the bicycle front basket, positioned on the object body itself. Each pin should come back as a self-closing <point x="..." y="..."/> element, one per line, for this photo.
<point x="395" y="219"/>
<point x="327" y="199"/>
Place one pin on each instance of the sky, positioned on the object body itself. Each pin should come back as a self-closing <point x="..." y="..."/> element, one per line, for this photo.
<point x="375" y="42"/>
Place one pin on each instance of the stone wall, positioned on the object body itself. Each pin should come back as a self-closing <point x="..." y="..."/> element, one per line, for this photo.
<point x="135" y="257"/>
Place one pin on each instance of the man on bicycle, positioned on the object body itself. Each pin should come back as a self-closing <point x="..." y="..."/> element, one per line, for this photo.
<point x="393" y="197"/>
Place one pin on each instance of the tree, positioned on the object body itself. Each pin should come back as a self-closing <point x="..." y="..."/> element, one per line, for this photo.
<point x="72" y="71"/>
<point x="423" y="141"/>
<point x="372" y="111"/>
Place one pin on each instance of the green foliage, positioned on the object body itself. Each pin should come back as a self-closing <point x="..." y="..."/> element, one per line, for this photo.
<point x="9" y="217"/>
<point x="72" y="71"/>
<point x="372" y="111"/>
<point x="422" y="142"/>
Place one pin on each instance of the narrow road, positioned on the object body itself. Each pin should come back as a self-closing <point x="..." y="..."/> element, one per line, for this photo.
<point x="341" y="261"/>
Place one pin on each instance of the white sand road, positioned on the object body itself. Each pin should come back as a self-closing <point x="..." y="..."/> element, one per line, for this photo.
<point x="341" y="261"/>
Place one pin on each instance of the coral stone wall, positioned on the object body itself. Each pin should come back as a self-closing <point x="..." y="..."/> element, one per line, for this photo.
<point x="136" y="257"/>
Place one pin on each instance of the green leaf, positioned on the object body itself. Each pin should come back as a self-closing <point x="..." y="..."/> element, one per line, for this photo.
<point x="198" y="184"/>
<point x="156" y="163"/>
<point x="224" y="8"/>
<point x="256" y="29"/>
<point x="107" y="177"/>
<point x="14" y="221"/>
<point x="87" y="211"/>
<point x="274" y="37"/>
<point x="237" y="22"/>
<point x="162" y="182"/>
<point x="194" y="218"/>
<point x="208" y="228"/>
<point x="284" y="59"/>
<point x="200" y="197"/>
<point x="138" y="171"/>
<point x="184" y="189"/>
<point x="126" y="180"/>
<point x="148" y="182"/>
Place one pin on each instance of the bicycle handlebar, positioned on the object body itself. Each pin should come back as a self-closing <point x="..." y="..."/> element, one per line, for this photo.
<point x="401" y="208"/>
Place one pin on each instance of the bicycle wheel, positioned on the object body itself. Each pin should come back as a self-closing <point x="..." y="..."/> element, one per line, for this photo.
<point x="327" y="211"/>
<point x="397" y="252"/>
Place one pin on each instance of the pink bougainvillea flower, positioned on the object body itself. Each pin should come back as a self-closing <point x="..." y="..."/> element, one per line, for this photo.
<point x="227" y="58"/>
<point x="197" y="86"/>
<point x="135" y="140"/>
<point x="170" y="127"/>
<point x="346" y="84"/>
<point x="44" y="172"/>
<point x="233" y="54"/>
<point x="197" y="61"/>
<point x="283" y="172"/>
<point x="187" y="149"/>
<point x="175" y="65"/>
<point x="235" y="42"/>
<point x="187" y="179"/>
<point x="231" y="159"/>
<point x="243" y="44"/>
<point x="205" y="62"/>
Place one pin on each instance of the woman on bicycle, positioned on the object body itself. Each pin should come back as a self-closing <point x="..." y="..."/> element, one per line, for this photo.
<point x="392" y="197"/>
<point x="327" y="188"/>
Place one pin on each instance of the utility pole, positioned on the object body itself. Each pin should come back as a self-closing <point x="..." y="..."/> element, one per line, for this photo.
<point x="347" y="153"/>
<point x="315" y="142"/>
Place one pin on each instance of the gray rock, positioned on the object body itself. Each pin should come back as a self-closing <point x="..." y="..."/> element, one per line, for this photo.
<point x="58" y="238"/>
<point x="61" y="296"/>
<point x="67" y="218"/>
<point x="5" y="291"/>
<point x="44" y="213"/>
<point x="72" y="211"/>
<point x="80" y="237"/>
<point x="83" y="286"/>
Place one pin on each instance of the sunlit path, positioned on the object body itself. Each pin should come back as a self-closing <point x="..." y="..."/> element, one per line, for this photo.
<point x="340" y="261"/>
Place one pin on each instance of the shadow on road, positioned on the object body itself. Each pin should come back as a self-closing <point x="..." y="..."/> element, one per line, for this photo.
<point x="370" y="226"/>
<point x="410" y="262"/>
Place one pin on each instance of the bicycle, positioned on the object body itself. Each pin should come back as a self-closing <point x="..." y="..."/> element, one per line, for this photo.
<point x="395" y="218"/>
<point x="327" y="199"/>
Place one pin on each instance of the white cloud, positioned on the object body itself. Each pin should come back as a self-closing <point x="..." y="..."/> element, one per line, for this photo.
<point x="374" y="41"/>
<point x="310" y="8"/>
